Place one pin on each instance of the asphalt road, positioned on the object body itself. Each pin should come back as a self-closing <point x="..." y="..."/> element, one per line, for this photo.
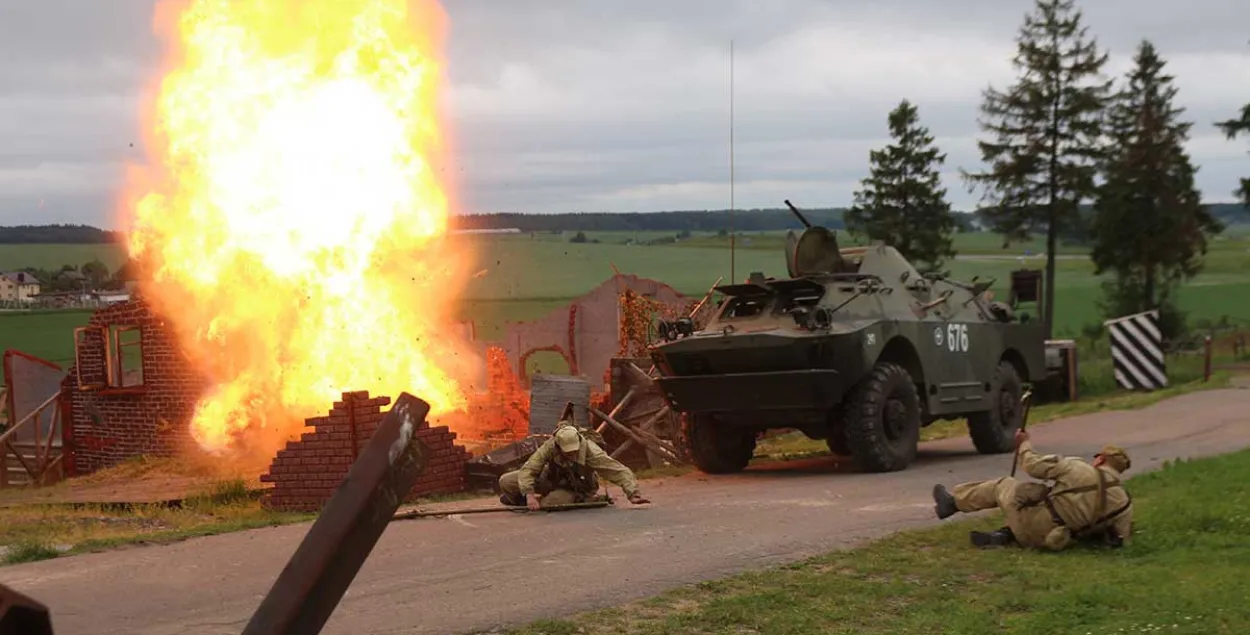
<point x="477" y="572"/>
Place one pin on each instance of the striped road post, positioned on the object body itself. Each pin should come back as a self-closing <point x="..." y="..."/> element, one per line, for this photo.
<point x="1137" y="351"/>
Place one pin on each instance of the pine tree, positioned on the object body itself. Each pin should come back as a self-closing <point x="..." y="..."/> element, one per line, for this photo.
<point x="1150" y="227"/>
<point x="902" y="202"/>
<point x="1046" y="133"/>
<point x="1232" y="128"/>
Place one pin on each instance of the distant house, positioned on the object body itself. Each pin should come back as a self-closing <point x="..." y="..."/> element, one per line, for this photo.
<point x="18" y="286"/>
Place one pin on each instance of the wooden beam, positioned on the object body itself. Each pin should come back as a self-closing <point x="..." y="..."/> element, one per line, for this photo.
<point x="620" y="404"/>
<point x="43" y="473"/>
<point x="641" y="374"/>
<point x="4" y="438"/>
<point x="642" y="437"/>
<point x="707" y="296"/>
<point x="18" y="455"/>
<point x="641" y="415"/>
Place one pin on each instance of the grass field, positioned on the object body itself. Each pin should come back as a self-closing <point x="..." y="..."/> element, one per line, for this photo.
<point x="1183" y="572"/>
<point x="52" y="257"/>
<point x="527" y="276"/>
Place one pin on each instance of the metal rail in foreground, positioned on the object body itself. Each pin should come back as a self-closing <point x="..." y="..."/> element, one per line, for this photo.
<point x="327" y="560"/>
<point x="313" y="582"/>
<point x="21" y="615"/>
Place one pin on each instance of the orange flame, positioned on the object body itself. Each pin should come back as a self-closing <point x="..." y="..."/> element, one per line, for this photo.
<point x="295" y="233"/>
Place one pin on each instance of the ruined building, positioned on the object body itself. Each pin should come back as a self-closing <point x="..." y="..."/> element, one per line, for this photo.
<point x="131" y="390"/>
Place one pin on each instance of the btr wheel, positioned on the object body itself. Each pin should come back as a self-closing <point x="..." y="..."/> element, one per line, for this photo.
<point x="837" y="440"/>
<point x="882" y="419"/>
<point x="715" y="449"/>
<point x="993" y="431"/>
<point x="838" y="443"/>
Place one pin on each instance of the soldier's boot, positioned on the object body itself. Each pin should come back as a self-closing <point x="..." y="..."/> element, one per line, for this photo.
<point x="1001" y="537"/>
<point x="945" y="506"/>
<point x="513" y="500"/>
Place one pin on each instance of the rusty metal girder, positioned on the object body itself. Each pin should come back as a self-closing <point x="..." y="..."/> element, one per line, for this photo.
<point x="21" y="615"/>
<point x="332" y="552"/>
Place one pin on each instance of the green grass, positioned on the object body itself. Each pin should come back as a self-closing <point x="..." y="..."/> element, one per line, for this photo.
<point x="45" y="334"/>
<point x="1183" y="572"/>
<point x="29" y="551"/>
<point x="528" y="270"/>
<point x="528" y="277"/>
<point x="39" y="531"/>
<point x="54" y="256"/>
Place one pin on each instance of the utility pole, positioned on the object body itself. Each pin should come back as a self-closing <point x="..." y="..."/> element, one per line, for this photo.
<point x="733" y="278"/>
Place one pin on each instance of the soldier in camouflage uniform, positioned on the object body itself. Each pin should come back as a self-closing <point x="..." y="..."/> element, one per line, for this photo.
<point x="566" y="469"/>
<point x="1087" y="502"/>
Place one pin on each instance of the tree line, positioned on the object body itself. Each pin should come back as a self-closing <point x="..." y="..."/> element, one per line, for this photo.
<point x="691" y="221"/>
<point x="57" y="235"/>
<point x="1069" y="154"/>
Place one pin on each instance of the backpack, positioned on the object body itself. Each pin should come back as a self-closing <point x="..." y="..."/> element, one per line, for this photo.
<point x="585" y="433"/>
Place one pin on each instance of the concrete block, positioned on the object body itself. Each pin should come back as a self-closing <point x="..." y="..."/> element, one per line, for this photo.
<point x="549" y="393"/>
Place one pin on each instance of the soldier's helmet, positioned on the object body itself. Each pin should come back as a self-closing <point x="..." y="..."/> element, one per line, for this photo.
<point x="1115" y="458"/>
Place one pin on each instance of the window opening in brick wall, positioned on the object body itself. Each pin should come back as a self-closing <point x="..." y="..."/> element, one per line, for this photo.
<point x="546" y="362"/>
<point x="127" y="362"/>
<point x="90" y="356"/>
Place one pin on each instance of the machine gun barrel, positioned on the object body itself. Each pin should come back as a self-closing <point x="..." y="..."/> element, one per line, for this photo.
<point x="798" y="213"/>
<point x="1027" y="401"/>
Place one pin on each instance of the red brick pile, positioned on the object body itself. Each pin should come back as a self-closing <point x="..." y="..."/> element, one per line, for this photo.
<point x="307" y="472"/>
<point x="498" y="416"/>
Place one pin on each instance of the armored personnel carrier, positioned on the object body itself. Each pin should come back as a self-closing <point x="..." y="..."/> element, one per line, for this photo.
<point x="855" y="347"/>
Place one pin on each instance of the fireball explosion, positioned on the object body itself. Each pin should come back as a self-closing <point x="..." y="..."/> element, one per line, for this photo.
<point x="292" y="230"/>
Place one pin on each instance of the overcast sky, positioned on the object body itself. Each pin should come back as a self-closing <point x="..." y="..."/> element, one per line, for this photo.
<point x="624" y="106"/>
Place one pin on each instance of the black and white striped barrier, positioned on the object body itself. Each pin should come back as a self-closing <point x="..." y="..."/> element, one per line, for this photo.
<point x="1137" y="351"/>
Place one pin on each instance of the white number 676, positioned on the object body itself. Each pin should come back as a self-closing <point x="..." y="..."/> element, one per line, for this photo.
<point x="957" y="338"/>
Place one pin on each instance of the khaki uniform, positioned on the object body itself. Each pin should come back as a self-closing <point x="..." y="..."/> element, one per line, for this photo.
<point x="1083" y="502"/>
<point x="560" y="481"/>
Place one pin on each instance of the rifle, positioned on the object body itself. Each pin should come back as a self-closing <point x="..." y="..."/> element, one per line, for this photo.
<point x="422" y="513"/>
<point x="1026" y="400"/>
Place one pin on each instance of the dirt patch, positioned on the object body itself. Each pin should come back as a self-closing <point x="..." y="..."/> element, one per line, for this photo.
<point x="137" y="481"/>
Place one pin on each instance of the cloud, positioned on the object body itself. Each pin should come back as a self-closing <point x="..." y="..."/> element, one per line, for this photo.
<point x="592" y="106"/>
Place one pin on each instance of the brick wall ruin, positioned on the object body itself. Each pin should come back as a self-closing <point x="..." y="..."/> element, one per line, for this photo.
<point x="131" y="390"/>
<point x="586" y="331"/>
<point x="306" y="473"/>
<point x="499" y="415"/>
